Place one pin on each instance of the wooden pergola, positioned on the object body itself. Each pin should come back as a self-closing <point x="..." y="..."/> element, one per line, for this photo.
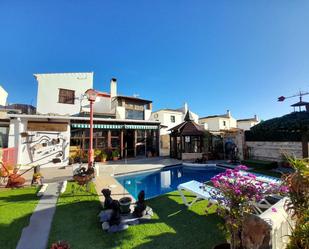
<point x="186" y="139"/>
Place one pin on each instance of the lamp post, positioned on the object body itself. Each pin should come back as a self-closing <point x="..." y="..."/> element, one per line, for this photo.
<point x="91" y="96"/>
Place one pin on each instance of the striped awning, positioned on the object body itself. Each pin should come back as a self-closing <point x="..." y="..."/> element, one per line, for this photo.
<point x="116" y="126"/>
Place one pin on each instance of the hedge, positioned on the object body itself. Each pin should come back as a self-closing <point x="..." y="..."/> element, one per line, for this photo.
<point x="290" y="127"/>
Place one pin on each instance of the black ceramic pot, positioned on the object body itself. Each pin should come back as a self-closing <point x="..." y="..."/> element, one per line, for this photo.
<point x="125" y="203"/>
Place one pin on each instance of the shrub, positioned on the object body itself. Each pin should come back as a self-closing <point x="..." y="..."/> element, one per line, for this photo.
<point x="289" y="127"/>
<point x="298" y="185"/>
<point x="115" y="153"/>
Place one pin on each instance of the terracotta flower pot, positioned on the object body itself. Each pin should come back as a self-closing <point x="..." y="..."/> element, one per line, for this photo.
<point x="82" y="180"/>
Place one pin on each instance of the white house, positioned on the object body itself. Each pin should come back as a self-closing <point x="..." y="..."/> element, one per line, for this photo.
<point x="218" y="123"/>
<point x="3" y="96"/>
<point x="246" y="124"/>
<point x="121" y="123"/>
<point x="62" y="93"/>
<point x="170" y="118"/>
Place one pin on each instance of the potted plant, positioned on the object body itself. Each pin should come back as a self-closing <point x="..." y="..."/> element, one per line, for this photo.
<point x="103" y="157"/>
<point x="298" y="185"/>
<point x="37" y="178"/>
<point x="60" y="245"/>
<point x="115" y="155"/>
<point x="125" y="203"/>
<point x="97" y="155"/>
<point x="285" y="161"/>
<point x="235" y="192"/>
<point x="72" y="159"/>
<point x="84" y="176"/>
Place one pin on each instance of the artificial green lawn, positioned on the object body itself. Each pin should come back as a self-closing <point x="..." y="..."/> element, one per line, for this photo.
<point x="173" y="225"/>
<point x="16" y="207"/>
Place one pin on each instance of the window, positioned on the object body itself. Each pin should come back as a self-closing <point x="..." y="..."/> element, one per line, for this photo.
<point x="172" y="118"/>
<point x="133" y="114"/>
<point x="224" y="123"/>
<point x="66" y="96"/>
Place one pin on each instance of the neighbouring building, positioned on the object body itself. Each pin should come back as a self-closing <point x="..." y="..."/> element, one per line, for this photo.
<point x="121" y="123"/>
<point x="6" y="109"/>
<point x="169" y="118"/>
<point x="230" y="131"/>
<point x="246" y="124"/>
<point x="3" y="96"/>
<point x="218" y="123"/>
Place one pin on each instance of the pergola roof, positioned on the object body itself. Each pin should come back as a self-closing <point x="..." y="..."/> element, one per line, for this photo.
<point x="188" y="127"/>
<point x="300" y="103"/>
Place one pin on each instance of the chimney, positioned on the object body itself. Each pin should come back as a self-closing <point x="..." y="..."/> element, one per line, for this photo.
<point x="228" y="113"/>
<point x="113" y="90"/>
<point x="185" y="108"/>
<point x="256" y="118"/>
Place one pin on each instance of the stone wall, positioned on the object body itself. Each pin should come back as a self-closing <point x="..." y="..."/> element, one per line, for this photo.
<point x="273" y="151"/>
<point x="191" y="156"/>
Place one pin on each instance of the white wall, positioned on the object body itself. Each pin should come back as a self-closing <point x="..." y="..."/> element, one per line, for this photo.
<point x="164" y="116"/>
<point x="101" y="105"/>
<point x="3" y="96"/>
<point x="32" y="152"/>
<point x="246" y="125"/>
<point x="212" y="124"/>
<point x="195" y="117"/>
<point x="217" y="123"/>
<point x="48" y="91"/>
<point x="147" y="114"/>
<point x="120" y="112"/>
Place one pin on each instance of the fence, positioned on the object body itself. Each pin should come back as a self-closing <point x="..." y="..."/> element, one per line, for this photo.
<point x="8" y="157"/>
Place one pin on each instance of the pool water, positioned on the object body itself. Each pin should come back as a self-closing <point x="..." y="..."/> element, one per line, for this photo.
<point x="159" y="182"/>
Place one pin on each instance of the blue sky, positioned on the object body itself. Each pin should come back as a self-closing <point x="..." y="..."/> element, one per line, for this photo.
<point x="216" y="55"/>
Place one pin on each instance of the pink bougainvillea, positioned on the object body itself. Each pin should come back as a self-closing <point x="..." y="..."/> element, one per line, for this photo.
<point x="236" y="191"/>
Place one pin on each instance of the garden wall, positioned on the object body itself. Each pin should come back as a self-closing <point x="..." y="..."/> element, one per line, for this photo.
<point x="191" y="156"/>
<point x="273" y="151"/>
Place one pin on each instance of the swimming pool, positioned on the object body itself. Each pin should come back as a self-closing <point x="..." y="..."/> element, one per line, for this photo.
<point x="162" y="181"/>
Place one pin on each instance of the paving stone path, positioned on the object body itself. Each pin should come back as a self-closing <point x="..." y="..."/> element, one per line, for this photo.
<point x="35" y="236"/>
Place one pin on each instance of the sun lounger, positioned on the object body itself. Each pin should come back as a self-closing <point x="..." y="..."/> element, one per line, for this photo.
<point x="201" y="192"/>
<point x="265" y="178"/>
<point x="268" y="179"/>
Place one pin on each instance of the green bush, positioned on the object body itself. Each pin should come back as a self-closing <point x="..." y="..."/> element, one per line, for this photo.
<point x="290" y="127"/>
<point x="298" y="186"/>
